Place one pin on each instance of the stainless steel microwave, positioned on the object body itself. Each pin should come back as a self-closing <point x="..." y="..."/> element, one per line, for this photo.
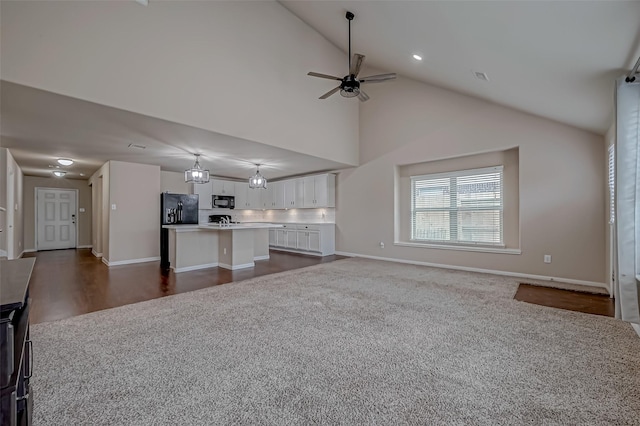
<point x="223" y="202"/>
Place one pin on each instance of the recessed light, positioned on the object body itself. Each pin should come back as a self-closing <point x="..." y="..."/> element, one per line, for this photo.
<point x="65" y="161"/>
<point x="59" y="173"/>
<point x="417" y="57"/>
<point x="81" y="174"/>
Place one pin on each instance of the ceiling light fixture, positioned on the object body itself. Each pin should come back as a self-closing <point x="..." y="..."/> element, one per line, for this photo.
<point x="257" y="181"/>
<point x="59" y="173"/>
<point x="417" y="57"/>
<point x="65" y="161"/>
<point x="196" y="174"/>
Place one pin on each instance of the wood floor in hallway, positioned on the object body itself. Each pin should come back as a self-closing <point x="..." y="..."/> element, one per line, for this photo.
<point x="67" y="283"/>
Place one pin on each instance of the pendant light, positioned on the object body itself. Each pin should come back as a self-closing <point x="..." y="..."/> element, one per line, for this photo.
<point x="257" y="181"/>
<point x="196" y="174"/>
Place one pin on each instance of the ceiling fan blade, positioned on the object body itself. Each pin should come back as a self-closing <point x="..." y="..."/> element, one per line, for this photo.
<point x="317" y="74"/>
<point x="329" y="93"/>
<point x="378" y="78"/>
<point x="356" y="63"/>
<point x="363" y="96"/>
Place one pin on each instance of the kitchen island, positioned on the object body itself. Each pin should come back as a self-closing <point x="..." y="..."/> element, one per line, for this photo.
<point x="233" y="246"/>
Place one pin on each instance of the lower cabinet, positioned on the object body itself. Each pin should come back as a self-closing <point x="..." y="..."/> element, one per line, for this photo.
<point x="317" y="239"/>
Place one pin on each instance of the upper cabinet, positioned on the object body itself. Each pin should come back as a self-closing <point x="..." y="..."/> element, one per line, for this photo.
<point x="319" y="191"/>
<point x="204" y="191"/>
<point x="223" y="187"/>
<point x="315" y="191"/>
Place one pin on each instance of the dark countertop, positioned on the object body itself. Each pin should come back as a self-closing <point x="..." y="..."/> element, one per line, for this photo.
<point x="14" y="281"/>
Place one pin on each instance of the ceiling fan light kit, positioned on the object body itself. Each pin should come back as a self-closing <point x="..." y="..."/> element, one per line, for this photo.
<point x="196" y="174"/>
<point x="350" y="84"/>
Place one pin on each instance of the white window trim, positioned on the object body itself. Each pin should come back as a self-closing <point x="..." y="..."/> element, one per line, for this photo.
<point x="461" y="245"/>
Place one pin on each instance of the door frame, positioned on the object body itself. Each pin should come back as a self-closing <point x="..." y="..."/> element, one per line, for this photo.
<point x="35" y="220"/>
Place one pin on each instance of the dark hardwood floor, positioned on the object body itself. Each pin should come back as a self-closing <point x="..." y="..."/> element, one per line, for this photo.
<point x="589" y="303"/>
<point x="66" y="283"/>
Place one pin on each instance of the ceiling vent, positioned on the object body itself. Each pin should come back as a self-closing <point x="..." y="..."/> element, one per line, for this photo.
<point x="481" y="75"/>
<point x="133" y="145"/>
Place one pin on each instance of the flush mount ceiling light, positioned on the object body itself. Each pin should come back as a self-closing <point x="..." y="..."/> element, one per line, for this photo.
<point x="65" y="161"/>
<point x="417" y="57"/>
<point x="257" y="181"/>
<point x="59" y="173"/>
<point x="196" y="174"/>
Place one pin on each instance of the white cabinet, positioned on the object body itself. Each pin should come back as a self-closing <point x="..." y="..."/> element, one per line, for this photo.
<point x="293" y="193"/>
<point x="266" y="197"/>
<point x="317" y="239"/>
<point x="204" y="191"/>
<point x="223" y="187"/>
<point x="247" y="198"/>
<point x="319" y="191"/>
<point x="278" y="195"/>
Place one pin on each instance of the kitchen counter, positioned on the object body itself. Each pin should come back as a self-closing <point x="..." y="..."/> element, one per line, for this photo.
<point x="233" y="246"/>
<point x="224" y="227"/>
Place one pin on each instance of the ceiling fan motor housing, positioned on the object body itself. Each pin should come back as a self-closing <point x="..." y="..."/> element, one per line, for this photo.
<point x="350" y="87"/>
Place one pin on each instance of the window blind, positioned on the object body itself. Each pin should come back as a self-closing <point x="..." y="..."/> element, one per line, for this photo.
<point x="612" y="184"/>
<point x="458" y="207"/>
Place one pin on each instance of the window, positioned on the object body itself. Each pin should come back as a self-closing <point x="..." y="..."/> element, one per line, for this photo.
<point x="612" y="185"/>
<point x="463" y="207"/>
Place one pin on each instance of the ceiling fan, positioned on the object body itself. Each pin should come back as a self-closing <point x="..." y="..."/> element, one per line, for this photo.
<point x="350" y="84"/>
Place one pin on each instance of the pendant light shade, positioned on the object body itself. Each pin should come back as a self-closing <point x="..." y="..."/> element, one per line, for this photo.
<point x="257" y="181"/>
<point x="196" y="174"/>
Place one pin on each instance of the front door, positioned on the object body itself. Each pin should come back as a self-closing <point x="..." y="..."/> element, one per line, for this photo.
<point x="56" y="218"/>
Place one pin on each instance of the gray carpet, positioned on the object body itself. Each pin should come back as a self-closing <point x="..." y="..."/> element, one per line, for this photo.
<point x="350" y="342"/>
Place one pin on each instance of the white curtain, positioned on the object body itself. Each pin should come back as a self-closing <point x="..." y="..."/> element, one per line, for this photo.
<point x="627" y="282"/>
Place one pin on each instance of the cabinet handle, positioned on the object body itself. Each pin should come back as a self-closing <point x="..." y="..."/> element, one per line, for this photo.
<point x="30" y="343"/>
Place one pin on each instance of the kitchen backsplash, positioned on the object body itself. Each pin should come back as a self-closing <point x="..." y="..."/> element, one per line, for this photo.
<point x="326" y="215"/>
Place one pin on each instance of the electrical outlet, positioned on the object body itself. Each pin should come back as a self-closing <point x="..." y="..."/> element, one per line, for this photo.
<point x="547" y="258"/>
<point x="113" y="206"/>
<point x="381" y="244"/>
<point x="81" y="209"/>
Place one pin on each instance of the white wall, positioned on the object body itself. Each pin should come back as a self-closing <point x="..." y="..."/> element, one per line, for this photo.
<point x="561" y="180"/>
<point x="173" y="182"/>
<point x="222" y="65"/>
<point x="134" y="225"/>
<point x="13" y="226"/>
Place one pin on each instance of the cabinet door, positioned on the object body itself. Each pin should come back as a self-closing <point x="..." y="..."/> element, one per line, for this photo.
<point x="228" y="187"/>
<point x="273" y="239"/>
<point x="321" y="190"/>
<point x="253" y="198"/>
<point x="303" y="240"/>
<point x="292" y="239"/>
<point x="314" y="240"/>
<point x="204" y="191"/>
<point x="242" y="199"/>
<point x="289" y="193"/>
<point x="309" y="190"/>
<point x="217" y="186"/>
<point x="281" y="238"/>
<point x="278" y="195"/>
<point x="266" y="197"/>
<point x="299" y="199"/>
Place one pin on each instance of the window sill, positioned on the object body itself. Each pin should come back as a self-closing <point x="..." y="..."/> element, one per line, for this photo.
<point x="483" y="249"/>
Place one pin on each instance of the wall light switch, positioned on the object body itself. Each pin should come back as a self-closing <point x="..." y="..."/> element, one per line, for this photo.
<point x="547" y="258"/>
<point x="113" y="206"/>
<point x="81" y="209"/>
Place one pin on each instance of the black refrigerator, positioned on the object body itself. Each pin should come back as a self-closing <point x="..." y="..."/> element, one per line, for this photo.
<point x="175" y="209"/>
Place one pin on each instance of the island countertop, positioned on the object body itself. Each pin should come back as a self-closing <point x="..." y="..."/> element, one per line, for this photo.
<point x="221" y="227"/>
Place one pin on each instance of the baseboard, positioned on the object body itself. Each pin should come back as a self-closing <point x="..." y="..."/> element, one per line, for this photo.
<point x="194" y="268"/>
<point x="636" y="327"/>
<point x="3" y="253"/>
<point x="266" y="257"/>
<point x="83" y="247"/>
<point x="483" y="271"/>
<point x="29" y="251"/>
<point x="130" y="261"/>
<point x="309" y="253"/>
<point x="234" y="267"/>
<point x="96" y="254"/>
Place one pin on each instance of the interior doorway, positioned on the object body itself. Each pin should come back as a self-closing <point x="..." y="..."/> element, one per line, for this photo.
<point x="56" y="218"/>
